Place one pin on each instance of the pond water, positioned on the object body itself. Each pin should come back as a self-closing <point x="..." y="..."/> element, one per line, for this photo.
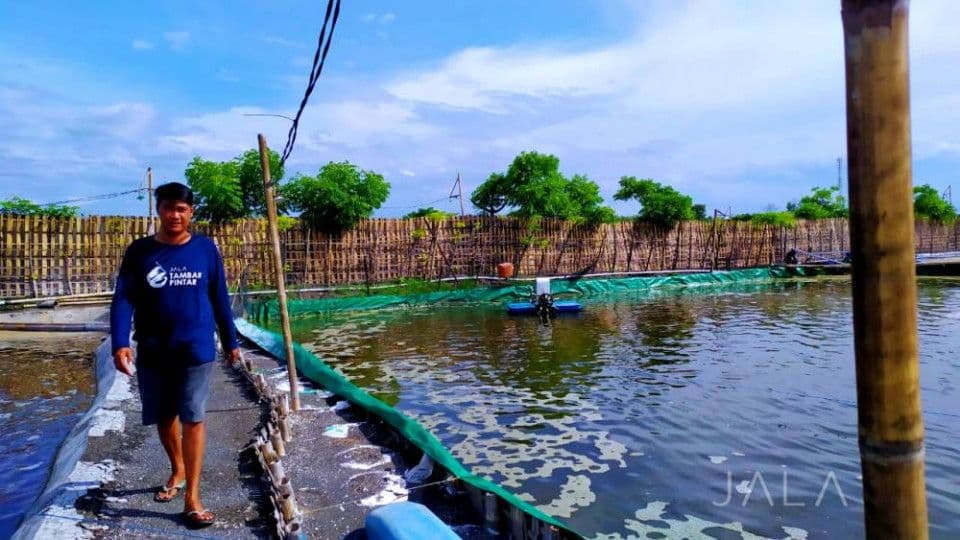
<point x="727" y="412"/>
<point x="46" y="385"/>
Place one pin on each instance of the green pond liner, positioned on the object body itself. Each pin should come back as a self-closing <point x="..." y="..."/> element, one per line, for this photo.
<point x="513" y="290"/>
<point x="316" y="370"/>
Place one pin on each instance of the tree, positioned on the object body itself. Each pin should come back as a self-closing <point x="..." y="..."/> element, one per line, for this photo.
<point x="822" y="203"/>
<point x="585" y="194"/>
<point x="773" y="217"/>
<point x="492" y="195"/>
<point x="534" y="187"/>
<point x="928" y="204"/>
<point x="659" y="204"/>
<point x="250" y="176"/>
<point x="216" y="190"/>
<point x="699" y="211"/>
<point x="428" y="212"/>
<point x="25" y="207"/>
<point x="231" y="189"/>
<point x="337" y="198"/>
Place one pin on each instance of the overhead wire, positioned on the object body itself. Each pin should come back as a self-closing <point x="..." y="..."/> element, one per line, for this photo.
<point x="319" y="58"/>
<point x="416" y="205"/>
<point x="91" y="198"/>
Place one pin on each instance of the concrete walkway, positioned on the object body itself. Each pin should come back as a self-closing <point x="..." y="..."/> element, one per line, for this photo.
<point x="231" y="487"/>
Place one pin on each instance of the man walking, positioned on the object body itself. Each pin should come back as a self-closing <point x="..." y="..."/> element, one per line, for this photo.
<point x="173" y="285"/>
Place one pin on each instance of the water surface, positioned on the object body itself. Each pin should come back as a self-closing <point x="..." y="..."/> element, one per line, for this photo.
<point x="722" y="412"/>
<point x="46" y="385"/>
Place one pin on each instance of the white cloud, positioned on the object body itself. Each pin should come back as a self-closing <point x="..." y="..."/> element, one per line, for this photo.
<point x="177" y="40"/>
<point x="283" y="42"/>
<point x="141" y="45"/>
<point x="384" y="18"/>
<point x="710" y="57"/>
<point x="347" y="125"/>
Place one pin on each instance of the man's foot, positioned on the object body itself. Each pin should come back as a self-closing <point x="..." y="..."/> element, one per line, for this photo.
<point x="167" y="492"/>
<point x="198" y="519"/>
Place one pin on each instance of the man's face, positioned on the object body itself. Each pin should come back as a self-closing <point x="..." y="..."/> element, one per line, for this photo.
<point x="174" y="216"/>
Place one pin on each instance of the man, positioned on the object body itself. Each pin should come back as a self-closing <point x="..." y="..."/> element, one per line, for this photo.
<point x="173" y="285"/>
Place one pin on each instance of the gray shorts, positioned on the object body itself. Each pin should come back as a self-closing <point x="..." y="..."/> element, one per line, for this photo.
<point x="170" y="387"/>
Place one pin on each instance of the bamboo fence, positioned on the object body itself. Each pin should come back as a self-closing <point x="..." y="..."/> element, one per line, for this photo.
<point x="42" y="256"/>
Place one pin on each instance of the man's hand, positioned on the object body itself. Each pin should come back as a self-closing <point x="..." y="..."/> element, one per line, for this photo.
<point x="123" y="360"/>
<point x="232" y="357"/>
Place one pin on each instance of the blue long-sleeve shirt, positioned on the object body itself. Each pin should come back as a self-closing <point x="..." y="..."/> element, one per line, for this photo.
<point x="177" y="295"/>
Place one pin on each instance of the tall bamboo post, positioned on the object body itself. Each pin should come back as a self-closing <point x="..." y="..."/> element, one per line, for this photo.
<point x="268" y="191"/>
<point x="884" y="272"/>
<point x="150" y="227"/>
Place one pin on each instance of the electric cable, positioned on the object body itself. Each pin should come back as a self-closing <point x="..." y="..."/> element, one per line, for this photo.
<point x="319" y="58"/>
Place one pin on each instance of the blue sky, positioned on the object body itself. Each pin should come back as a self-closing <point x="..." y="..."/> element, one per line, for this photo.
<point x="738" y="103"/>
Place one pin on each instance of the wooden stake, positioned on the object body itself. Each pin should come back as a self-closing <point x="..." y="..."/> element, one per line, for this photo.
<point x="150" y="226"/>
<point x="884" y="272"/>
<point x="278" y="268"/>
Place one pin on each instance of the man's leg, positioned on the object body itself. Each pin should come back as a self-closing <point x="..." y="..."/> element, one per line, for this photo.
<point x="194" y="440"/>
<point x="193" y="405"/>
<point x="169" y="431"/>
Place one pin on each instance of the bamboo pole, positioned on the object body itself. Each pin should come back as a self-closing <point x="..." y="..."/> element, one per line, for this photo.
<point x="278" y="268"/>
<point x="884" y="275"/>
<point x="150" y="226"/>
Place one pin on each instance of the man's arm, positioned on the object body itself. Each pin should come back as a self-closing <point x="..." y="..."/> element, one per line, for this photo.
<point x="121" y="314"/>
<point x="220" y="299"/>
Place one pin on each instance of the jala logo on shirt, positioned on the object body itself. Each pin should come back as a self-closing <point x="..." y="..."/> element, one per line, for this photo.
<point x="157" y="277"/>
<point x="177" y="277"/>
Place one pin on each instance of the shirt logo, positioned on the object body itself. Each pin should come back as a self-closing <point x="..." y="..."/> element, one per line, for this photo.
<point x="157" y="277"/>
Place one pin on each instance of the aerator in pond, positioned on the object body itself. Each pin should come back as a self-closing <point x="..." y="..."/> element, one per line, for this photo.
<point x="542" y="303"/>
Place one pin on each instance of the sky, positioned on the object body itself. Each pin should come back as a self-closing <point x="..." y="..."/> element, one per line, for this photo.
<point x="738" y="103"/>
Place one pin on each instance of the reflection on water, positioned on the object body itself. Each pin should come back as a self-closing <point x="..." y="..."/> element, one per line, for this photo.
<point x="728" y="413"/>
<point x="46" y="384"/>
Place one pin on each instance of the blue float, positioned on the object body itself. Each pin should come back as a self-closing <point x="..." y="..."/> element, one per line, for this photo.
<point x="529" y="308"/>
<point x="406" y="521"/>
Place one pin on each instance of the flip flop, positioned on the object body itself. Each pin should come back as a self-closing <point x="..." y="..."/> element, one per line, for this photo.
<point x="167" y="493"/>
<point x="198" y="519"/>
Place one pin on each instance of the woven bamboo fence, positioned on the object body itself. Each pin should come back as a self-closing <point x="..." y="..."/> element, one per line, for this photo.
<point x="42" y="256"/>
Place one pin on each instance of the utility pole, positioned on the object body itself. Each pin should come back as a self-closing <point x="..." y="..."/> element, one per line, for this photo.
<point x="890" y="423"/>
<point x="150" y="200"/>
<point x="269" y="190"/>
<point x="458" y="187"/>
<point x="839" y="175"/>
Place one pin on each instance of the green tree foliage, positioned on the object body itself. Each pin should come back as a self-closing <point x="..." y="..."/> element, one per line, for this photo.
<point x="699" y="211"/>
<point x="429" y="212"/>
<point x="25" y="207"/>
<point x="585" y="194"/>
<point x="821" y="203"/>
<point x="216" y="189"/>
<point x="250" y="176"/>
<point x="534" y="187"/>
<point x="337" y="198"/>
<point x="928" y="204"/>
<point x="492" y="196"/>
<point x="776" y="218"/>
<point x="659" y="204"/>
<point x="231" y="189"/>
